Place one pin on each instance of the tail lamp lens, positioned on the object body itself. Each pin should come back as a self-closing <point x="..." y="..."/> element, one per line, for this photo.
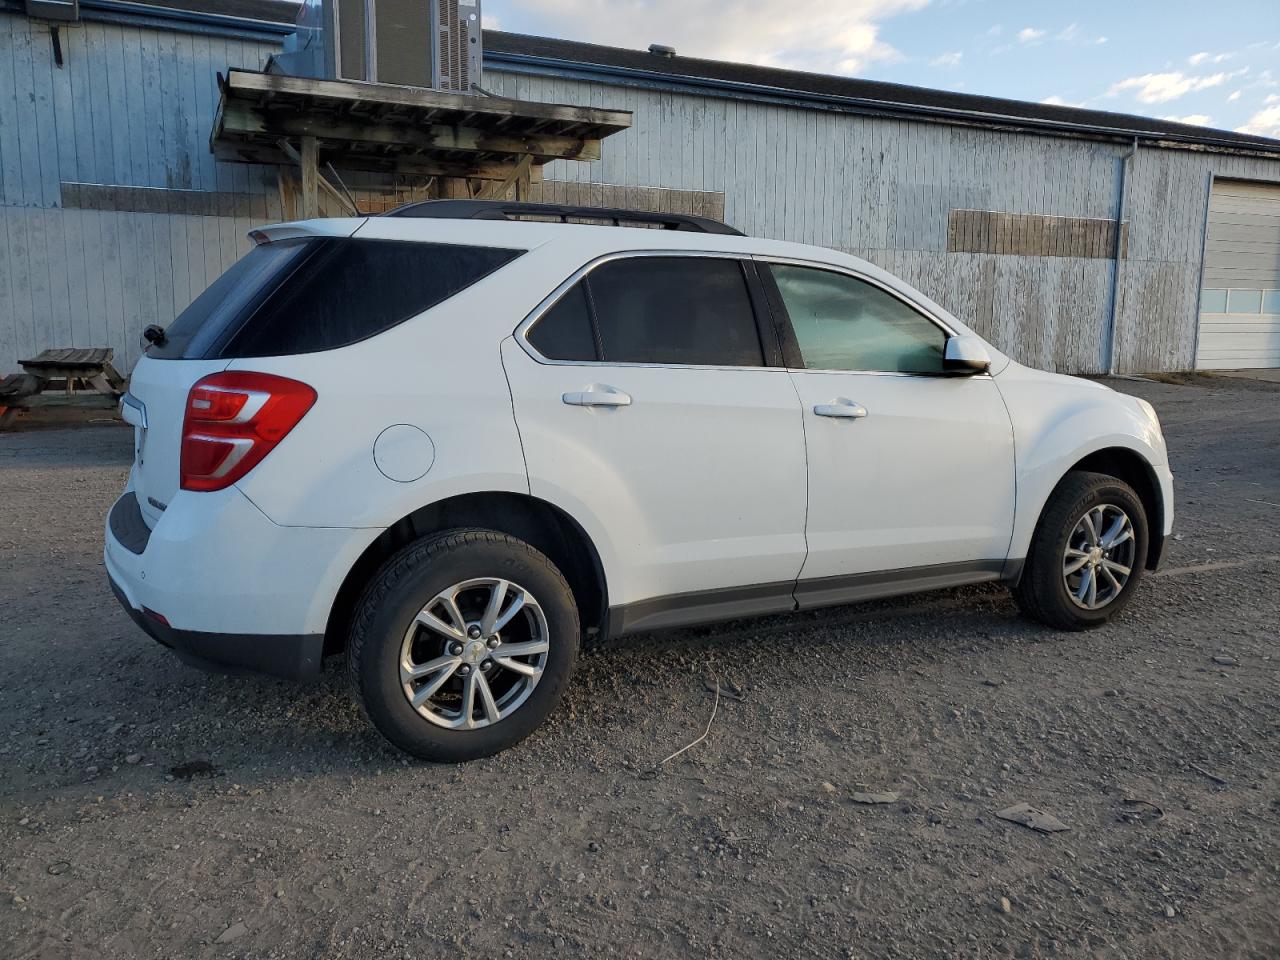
<point x="233" y="420"/>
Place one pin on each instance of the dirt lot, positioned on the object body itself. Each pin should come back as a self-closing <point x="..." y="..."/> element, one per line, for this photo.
<point x="309" y="838"/>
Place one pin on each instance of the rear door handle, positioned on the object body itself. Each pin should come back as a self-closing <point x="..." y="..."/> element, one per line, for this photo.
<point x="598" y="395"/>
<point x="840" y="407"/>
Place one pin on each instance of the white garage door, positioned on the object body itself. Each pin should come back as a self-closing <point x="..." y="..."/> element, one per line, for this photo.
<point x="1240" y="298"/>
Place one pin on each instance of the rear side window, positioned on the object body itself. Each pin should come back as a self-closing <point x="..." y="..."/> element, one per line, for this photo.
<point x="675" y="310"/>
<point x="564" y="332"/>
<point x="303" y="296"/>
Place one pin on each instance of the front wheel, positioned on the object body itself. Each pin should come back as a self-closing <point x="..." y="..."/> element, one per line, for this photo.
<point x="1087" y="554"/>
<point x="462" y="644"/>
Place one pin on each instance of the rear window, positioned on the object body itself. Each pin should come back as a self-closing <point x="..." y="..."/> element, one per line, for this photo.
<point x="320" y="293"/>
<point x="564" y="332"/>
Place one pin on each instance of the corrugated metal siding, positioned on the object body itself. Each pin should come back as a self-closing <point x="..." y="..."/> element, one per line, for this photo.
<point x="1240" y="312"/>
<point x="884" y="190"/>
<point x="1160" y="282"/>
<point x="133" y="107"/>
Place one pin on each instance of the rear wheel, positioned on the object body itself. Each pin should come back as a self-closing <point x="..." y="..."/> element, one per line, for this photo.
<point x="462" y="644"/>
<point x="1087" y="554"/>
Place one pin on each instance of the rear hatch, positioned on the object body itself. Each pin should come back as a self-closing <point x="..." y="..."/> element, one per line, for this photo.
<point x="195" y="345"/>
<point x="302" y="289"/>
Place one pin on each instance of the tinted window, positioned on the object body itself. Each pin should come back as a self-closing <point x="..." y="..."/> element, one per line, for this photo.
<point x="218" y="311"/>
<point x="677" y="310"/>
<point x="301" y="296"/>
<point x="564" y="331"/>
<point x="842" y="323"/>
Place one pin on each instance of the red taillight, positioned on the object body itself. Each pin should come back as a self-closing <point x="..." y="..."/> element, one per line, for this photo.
<point x="233" y="420"/>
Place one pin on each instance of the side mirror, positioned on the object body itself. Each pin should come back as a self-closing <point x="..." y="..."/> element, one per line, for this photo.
<point x="966" y="356"/>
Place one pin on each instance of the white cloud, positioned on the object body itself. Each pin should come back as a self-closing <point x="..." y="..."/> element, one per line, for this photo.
<point x="1264" y="123"/>
<point x="1204" y="57"/>
<point x="1235" y="95"/>
<point x="1028" y="34"/>
<point x="818" y="35"/>
<point x="1070" y="32"/>
<point x="490" y="22"/>
<point x="1057" y="101"/>
<point x="947" y="60"/>
<point x="1101" y="40"/>
<point x="1198" y="119"/>
<point x="1163" y="87"/>
<point x="1272" y="98"/>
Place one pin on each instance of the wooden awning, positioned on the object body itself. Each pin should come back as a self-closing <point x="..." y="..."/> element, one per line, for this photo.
<point x="405" y="130"/>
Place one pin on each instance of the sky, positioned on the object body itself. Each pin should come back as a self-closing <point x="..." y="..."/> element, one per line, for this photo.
<point x="1212" y="64"/>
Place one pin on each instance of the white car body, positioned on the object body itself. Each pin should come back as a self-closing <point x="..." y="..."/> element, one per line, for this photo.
<point x="714" y="492"/>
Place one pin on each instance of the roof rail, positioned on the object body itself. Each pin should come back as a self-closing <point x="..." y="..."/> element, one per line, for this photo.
<point x="558" y="212"/>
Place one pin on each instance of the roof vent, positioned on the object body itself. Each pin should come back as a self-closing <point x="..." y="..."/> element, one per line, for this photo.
<point x="662" y="50"/>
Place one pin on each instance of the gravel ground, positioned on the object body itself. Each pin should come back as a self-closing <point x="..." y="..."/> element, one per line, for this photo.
<point x="294" y="832"/>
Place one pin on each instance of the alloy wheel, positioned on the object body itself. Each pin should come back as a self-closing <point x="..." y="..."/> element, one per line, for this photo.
<point x="1098" y="559"/>
<point x="474" y="653"/>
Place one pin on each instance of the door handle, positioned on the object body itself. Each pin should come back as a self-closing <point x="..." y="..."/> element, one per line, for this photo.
<point x="598" y="395"/>
<point x="840" y="407"/>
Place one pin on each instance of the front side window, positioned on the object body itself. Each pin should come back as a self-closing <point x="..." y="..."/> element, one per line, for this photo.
<point x="843" y="323"/>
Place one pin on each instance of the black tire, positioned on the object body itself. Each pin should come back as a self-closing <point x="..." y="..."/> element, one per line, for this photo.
<point x="1042" y="592"/>
<point x="394" y="597"/>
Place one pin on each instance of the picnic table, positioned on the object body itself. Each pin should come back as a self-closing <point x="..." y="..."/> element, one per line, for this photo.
<point x="80" y="376"/>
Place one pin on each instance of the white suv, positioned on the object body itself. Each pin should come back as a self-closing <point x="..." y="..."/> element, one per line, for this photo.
<point x="454" y="440"/>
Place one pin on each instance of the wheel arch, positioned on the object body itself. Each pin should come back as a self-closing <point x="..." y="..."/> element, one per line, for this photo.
<point x="1129" y="465"/>
<point x="543" y="525"/>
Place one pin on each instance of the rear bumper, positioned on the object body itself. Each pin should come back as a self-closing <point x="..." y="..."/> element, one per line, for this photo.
<point x="291" y="657"/>
<point x="225" y="587"/>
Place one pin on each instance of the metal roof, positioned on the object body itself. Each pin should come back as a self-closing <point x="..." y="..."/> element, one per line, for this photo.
<point x="543" y="54"/>
<point x="714" y="77"/>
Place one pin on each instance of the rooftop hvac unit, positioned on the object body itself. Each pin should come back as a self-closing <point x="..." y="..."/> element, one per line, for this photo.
<point x="418" y="43"/>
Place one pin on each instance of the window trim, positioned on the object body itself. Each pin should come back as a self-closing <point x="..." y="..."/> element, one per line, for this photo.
<point x="765" y="325"/>
<point x="787" y="334"/>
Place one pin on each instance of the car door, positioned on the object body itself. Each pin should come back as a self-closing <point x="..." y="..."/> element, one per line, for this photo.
<point x="911" y="473"/>
<point x="648" y="412"/>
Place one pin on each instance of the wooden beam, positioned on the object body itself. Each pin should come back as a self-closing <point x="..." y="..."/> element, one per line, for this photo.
<point x="408" y="165"/>
<point x="243" y="120"/>
<point x="284" y="183"/>
<point x="310" y="164"/>
<point x="344" y="200"/>
<point x="242" y="82"/>
<point x="497" y="190"/>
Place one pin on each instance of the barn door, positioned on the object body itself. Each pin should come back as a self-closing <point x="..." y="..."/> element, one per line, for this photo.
<point x="1240" y="295"/>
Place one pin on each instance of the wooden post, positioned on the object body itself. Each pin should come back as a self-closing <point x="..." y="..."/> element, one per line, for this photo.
<point x="454" y="188"/>
<point x="310" y="163"/>
<point x="288" y="195"/>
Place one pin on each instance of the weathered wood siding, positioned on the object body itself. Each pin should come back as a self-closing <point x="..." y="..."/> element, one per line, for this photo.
<point x="132" y="107"/>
